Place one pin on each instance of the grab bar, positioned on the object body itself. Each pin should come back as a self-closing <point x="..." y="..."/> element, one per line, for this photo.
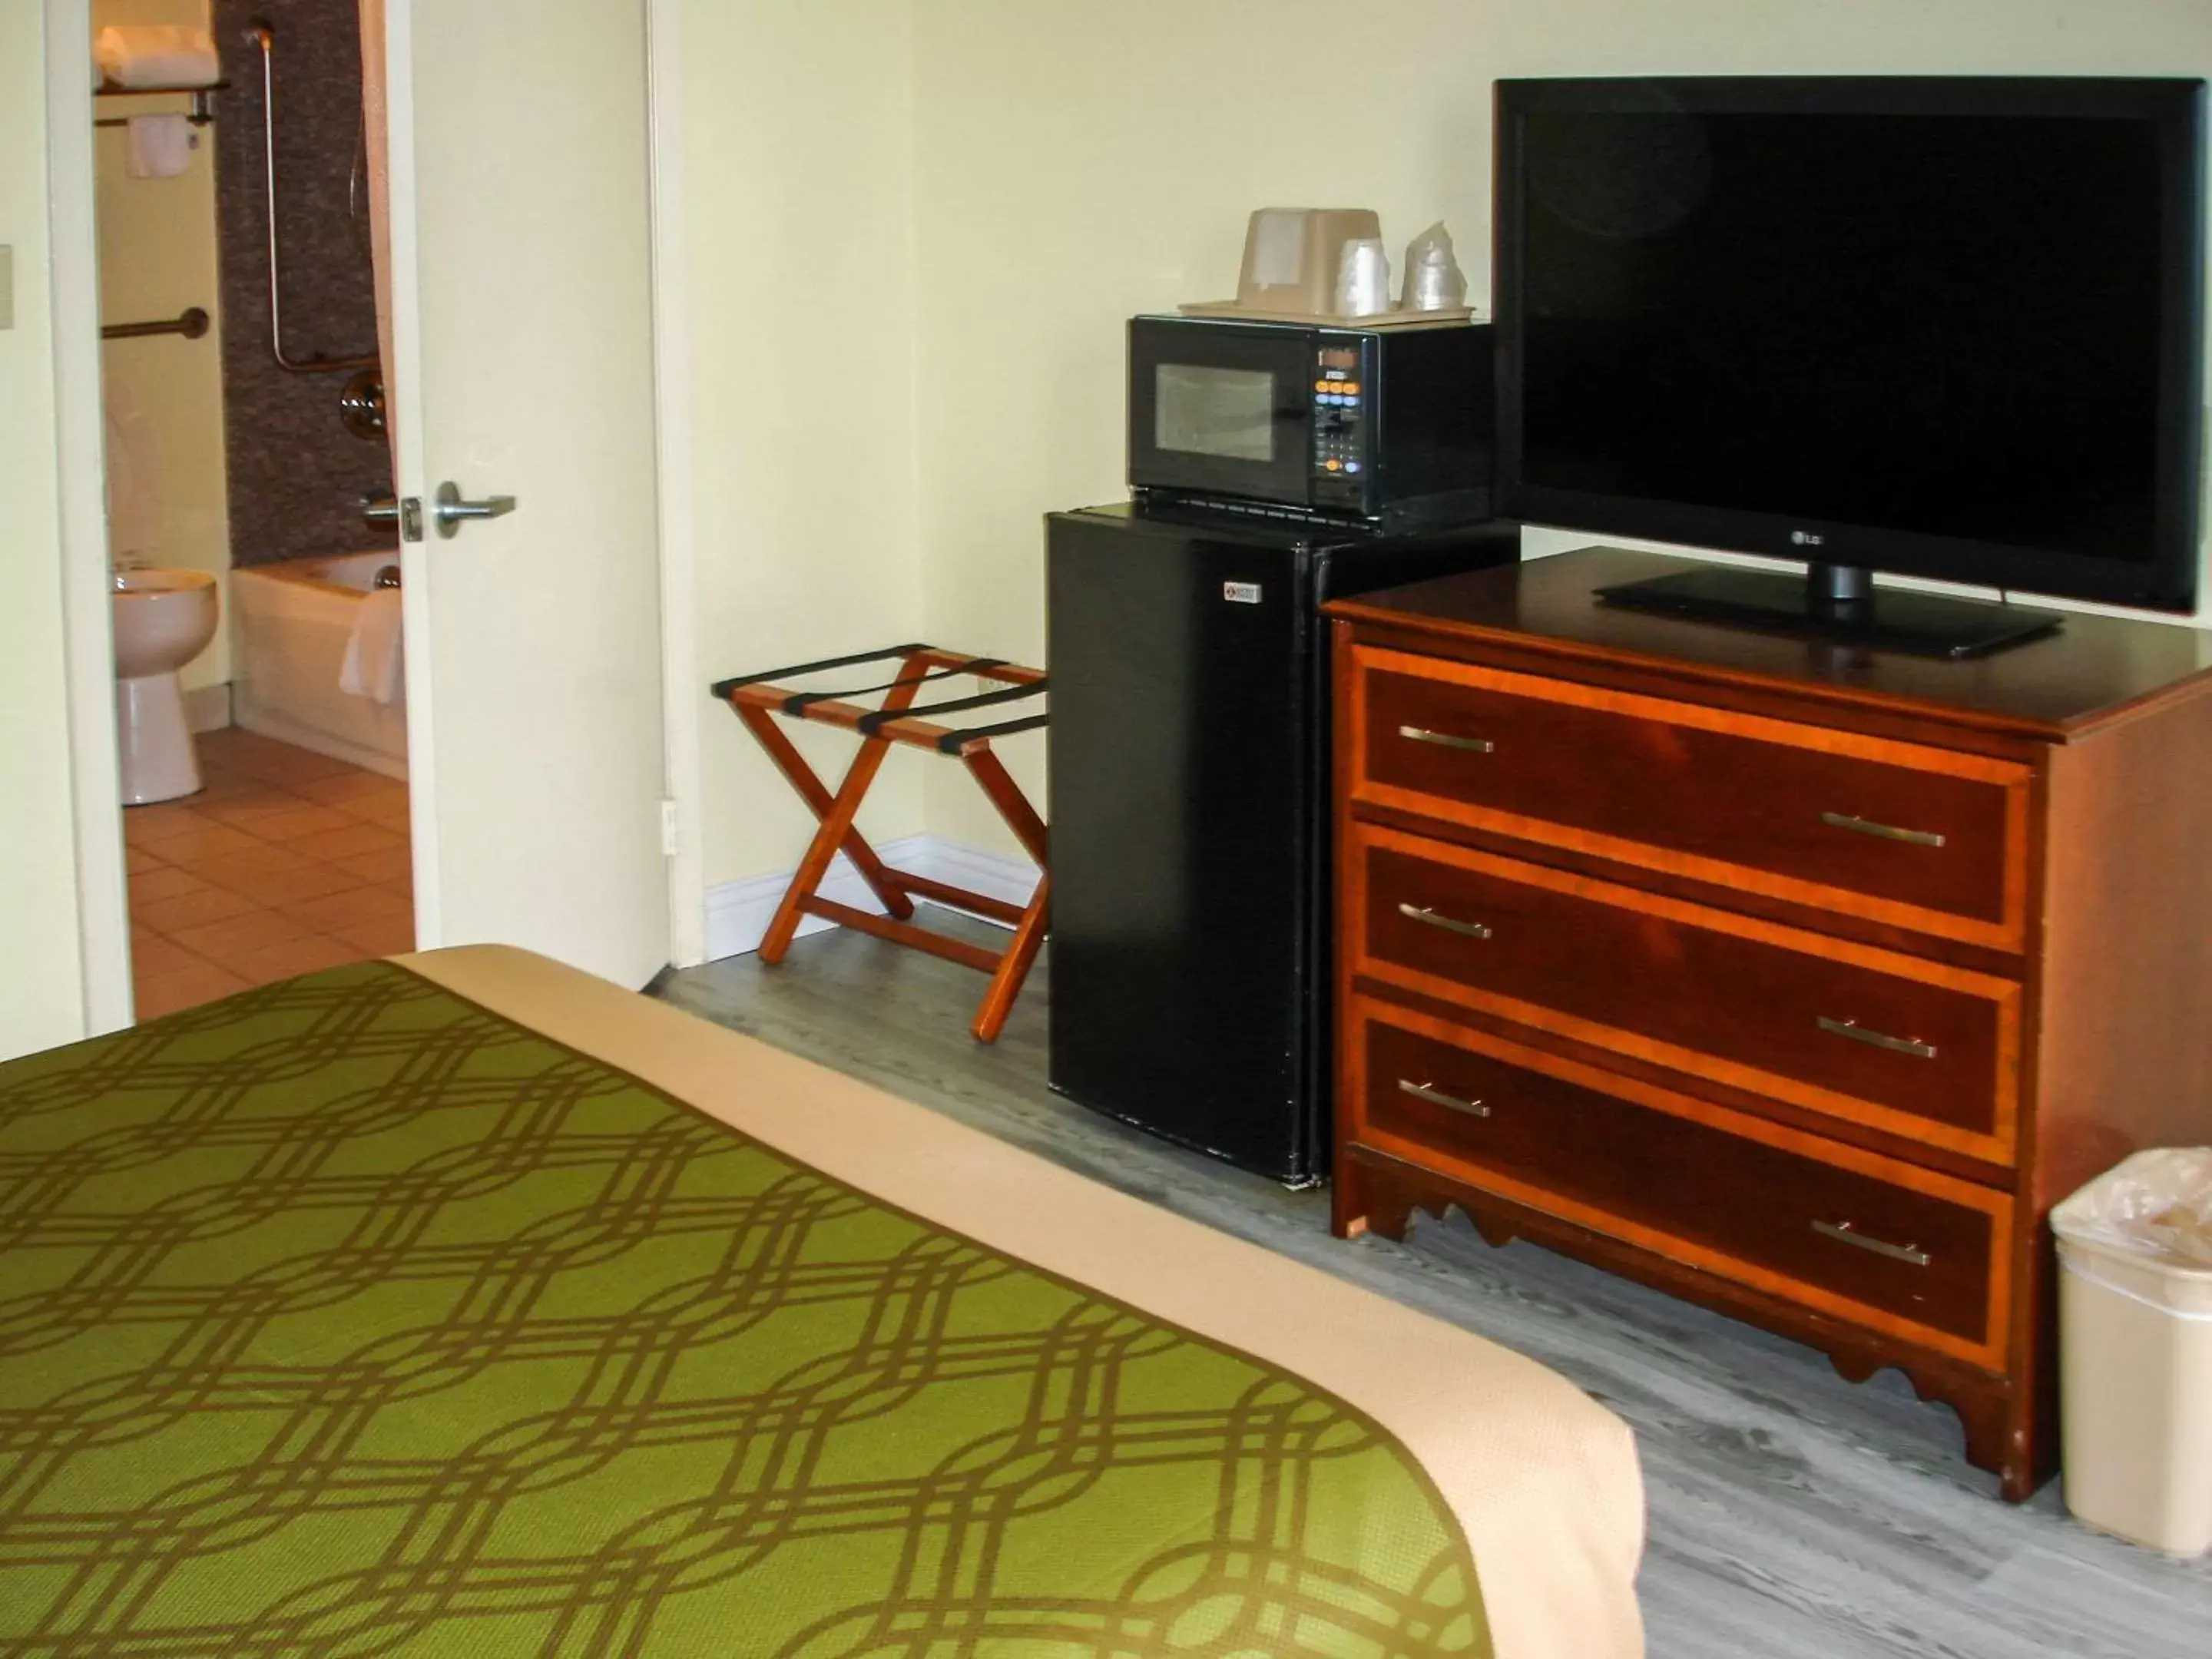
<point x="262" y="35"/>
<point x="202" y="108"/>
<point x="190" y="324"/>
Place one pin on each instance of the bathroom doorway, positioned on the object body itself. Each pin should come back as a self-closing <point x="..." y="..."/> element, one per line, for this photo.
<point x="550" y="698"/>
<point x="261" y="676"/>
<point x="285" y="861"/>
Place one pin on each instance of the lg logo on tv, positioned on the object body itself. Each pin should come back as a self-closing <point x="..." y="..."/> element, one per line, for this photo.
<point x="1804" y="538"/>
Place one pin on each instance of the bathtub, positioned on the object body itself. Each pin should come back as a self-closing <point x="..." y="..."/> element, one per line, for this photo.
<point x="290" y="624"/>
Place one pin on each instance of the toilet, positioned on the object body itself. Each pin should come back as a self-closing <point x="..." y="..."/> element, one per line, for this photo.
<point x="163" y="619"/>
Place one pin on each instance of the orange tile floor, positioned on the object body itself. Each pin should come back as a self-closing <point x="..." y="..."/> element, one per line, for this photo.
<point x="288" y="861"/>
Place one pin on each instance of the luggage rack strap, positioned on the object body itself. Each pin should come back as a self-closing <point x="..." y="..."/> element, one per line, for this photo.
<point x="872" y="725"/>
<point x="953" y="742"/>
<point x="721" y="689"/>
<point x="798" y="702"/>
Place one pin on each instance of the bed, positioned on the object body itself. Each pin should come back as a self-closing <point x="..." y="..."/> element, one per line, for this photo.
<point x="463" y="1304"/>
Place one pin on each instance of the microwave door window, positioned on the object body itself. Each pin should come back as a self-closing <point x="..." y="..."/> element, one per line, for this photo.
<point x="1228" y="414"/>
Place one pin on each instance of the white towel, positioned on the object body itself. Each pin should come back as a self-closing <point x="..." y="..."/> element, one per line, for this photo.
<point x="157" y="55"/>
<point x="375" y="655"/>
<point x="159" y="146"/>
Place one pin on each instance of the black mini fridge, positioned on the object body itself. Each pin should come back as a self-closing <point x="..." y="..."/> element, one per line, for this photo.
<point x="1188" y="808"/>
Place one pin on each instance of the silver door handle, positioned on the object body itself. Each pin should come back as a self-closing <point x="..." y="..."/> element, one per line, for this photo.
<point x="387" y="512"/>
<point x="451" y="511"/>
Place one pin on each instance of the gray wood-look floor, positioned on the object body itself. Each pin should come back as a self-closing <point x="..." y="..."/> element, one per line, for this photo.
<point x="1793" y="1516"/>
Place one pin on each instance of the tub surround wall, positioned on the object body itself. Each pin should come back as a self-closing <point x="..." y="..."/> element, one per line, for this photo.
<point x="157" y="258"/>
<point x="292" y="622"/>
<point x="297" y="474"/>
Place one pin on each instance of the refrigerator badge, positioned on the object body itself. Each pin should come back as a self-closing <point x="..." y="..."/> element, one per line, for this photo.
<point x="1240" y="593"/>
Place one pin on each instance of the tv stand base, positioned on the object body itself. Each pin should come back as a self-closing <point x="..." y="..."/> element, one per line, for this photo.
<point x="1890" y="619"/>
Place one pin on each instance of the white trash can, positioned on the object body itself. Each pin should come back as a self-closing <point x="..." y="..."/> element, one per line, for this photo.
<point x="2135" y="1320"/>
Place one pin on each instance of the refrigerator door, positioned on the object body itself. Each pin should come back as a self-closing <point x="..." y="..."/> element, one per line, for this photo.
<point x="1180" y="972"/>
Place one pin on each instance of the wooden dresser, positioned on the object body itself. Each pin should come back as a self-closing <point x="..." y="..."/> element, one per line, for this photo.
<point x="1795" y="979"/>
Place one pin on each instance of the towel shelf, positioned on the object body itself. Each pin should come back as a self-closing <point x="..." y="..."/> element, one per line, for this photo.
<point x="202" y="110"/>
<point x="190" y="324"/>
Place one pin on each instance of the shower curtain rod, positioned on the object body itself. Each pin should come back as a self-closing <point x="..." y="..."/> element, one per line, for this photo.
<point x="261" y="33"/>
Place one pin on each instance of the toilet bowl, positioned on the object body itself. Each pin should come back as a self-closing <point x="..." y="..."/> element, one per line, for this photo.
<point x="163" y="619"/>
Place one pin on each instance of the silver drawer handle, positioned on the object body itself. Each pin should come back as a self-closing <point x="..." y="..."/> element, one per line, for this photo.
<point x="1858" y="1033"/>
<point x="1844" y="1233"/>
<point x="1887" y="831"/>
<point x="1445" y="739"/>
<point x="1437" y="1096"/>
<point x="1418" y="912"/>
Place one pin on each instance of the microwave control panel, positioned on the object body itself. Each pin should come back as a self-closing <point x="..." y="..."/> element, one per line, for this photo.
<point x="1343" y="401"/>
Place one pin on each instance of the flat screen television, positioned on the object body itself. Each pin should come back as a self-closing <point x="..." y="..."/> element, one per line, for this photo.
<point x="1947" y="327"/>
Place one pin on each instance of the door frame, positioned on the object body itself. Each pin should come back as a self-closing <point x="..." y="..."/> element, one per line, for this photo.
<point x="681" y="689"/>
<point x="73" y="230"/>
<point x="102" y="902"/>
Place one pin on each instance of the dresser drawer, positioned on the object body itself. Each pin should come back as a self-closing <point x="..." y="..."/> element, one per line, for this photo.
<point x="1933" y="840"/>
<point x="1915" y="1048"/>
<point x="1869" y="1239"/>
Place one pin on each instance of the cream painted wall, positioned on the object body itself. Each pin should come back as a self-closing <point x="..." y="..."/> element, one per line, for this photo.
<point x="41" y="992"/>
<point x="798" y="160"/>
<point x="1076" y="163"/>
<point x="157" y="257"/>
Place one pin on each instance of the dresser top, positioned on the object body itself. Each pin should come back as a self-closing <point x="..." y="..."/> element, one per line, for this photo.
<point x="2093" y="671"/>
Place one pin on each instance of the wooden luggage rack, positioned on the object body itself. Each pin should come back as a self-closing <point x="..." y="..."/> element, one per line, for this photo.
<point x="757" y="698"/>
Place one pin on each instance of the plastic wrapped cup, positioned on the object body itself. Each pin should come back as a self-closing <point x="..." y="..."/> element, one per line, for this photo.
<point x="1362" y="278"/>
<point x="1434" y="281"/>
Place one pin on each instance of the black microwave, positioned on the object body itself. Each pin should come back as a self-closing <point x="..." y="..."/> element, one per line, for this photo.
<point x="1386" y="428"/>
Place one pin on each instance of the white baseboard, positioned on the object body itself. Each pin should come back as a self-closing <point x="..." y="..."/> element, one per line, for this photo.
<point x="739" y="912"/>
<point x="207" y="707"/>
<point x="1010" y="881"/>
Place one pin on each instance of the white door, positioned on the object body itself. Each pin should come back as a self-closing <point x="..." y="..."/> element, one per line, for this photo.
<point x="522" y="365"/>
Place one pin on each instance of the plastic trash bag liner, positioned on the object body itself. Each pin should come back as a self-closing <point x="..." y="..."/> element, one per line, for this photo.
<point x="2156" y="1205"/>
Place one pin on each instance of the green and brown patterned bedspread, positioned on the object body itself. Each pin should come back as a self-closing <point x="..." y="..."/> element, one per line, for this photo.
<point x="345" y="1318"/>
